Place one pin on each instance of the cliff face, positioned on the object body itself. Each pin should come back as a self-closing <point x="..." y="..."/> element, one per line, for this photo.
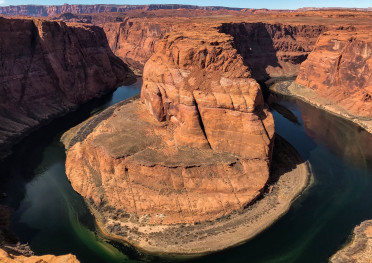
<point x="40" y="10"/>
<point x="198" y="147"/>
<point x="340" y="70"/>
<point x="273" y="50"/>
<point x="134" y="40"/>
<point x="48" y="68"/>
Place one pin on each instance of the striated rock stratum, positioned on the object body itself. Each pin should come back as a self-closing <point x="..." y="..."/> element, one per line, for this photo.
<point x="196" y="147"/>
<point x="48" y="69"/>
<point x="340" y="70"/>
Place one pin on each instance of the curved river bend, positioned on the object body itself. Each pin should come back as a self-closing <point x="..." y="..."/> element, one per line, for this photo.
<point x="53" y="219"/>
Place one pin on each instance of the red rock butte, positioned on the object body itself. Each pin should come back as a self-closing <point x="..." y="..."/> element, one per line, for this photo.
<point x="198" y="146"/>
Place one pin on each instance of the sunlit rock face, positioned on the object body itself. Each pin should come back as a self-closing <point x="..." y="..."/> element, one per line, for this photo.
<point x="339" y="69"/>
<point x="196" y="146"/>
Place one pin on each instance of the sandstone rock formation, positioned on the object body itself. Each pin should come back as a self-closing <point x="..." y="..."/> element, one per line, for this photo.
<point x="47" y="69"/>
<point x="273" y="50"/>
<point x="360" y="248"/>
<point x="9" y="258"/>
<point x="198" y="146"/>
<point x="340" y="70"/>
<point x="134" y="41"/>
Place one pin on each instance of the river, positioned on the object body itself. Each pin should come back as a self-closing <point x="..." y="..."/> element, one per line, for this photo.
<point x="53" y="219"/>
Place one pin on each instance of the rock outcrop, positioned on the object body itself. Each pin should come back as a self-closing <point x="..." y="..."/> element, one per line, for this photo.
<point x="360" y="248"/>
<point x="198" y="147"/>
<point x="134" y="40"/>
<point x="49" y="68"/>
<point x="340" y="70"/>
<point x="10" y="258"/>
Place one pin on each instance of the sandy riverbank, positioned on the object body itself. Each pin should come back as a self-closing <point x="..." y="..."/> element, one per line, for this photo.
<point x="294" y="89"/>
<point x="290" y="177"/>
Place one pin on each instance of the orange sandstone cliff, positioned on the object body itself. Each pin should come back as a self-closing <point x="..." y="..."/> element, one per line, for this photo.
<point x="10" y="258"/>
<point x="338" y="73"/>
<point x="49" y="68"/>
<point x="134" y="40"/>
<point x="197" y="147"/>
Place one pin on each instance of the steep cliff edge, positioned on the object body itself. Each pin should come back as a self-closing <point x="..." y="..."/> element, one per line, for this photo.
<point x="49" y="68"/>
<point x="273" y="50"/>
<point x="269" y="49"/>
<point x="340" y="70"/>
<point x="134" y="40"/>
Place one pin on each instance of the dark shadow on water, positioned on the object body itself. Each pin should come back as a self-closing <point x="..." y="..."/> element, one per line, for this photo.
<point x="286" y="113"/>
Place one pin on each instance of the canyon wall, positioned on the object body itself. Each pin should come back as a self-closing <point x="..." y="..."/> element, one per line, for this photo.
<point x="269" y="50"/>
<point x="40" y="10"/>
<point x="273" y="50"/>
<point x="340" y="70"/>
<point x="49" y="68"/>
<point x="134" y="40"/>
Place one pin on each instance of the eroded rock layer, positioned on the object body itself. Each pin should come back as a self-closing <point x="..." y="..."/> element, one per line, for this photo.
<point x="273" y="50"/>
<point x="134" y="40"/>
<point x="340" y="70"/>
<point x="47" y="69"/>
<point x="198" y="146"/>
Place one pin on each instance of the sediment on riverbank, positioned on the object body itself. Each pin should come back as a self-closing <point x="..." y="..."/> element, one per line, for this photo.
<point x="291" y="88"/>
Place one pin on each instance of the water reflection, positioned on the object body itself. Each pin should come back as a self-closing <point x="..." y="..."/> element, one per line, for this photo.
<point x="343" y="138"/>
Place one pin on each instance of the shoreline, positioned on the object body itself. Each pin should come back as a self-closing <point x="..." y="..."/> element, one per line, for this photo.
<point x="357" y="249"/>
<point x="293" y="89"/>
<point x="8" y="147"/>
<point x="173" y="241"/>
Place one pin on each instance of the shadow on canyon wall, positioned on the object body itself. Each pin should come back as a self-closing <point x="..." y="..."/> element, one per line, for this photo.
<point x="255" y="44"/>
